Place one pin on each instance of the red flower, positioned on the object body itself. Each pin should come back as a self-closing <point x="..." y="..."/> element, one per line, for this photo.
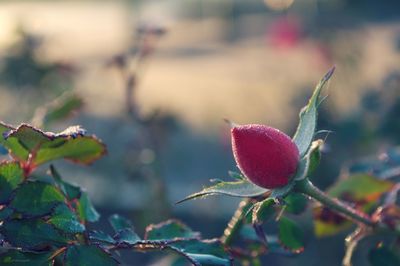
<point x="265" y="155"/>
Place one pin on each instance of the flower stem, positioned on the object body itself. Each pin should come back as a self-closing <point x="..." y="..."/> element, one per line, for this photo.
<point x="306" y="187"/>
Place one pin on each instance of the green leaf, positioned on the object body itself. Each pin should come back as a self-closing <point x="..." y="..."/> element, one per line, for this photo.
<point x="361" y="190"/>
<point x="203" y="252"/>
<point x="101" y="237"/>
<point x="296" y="203"/>
<point x="262" y="211"/>
<point x="65" y="219"/>
<point x="303" y="169"/>
<point x="196" y="251"/>
<point x="82" y="255"/>
<point x="383" y="256"/>
<point x="12" y="144"/>
<point x="128" y="236"/>
<point x="11" y="175"/>
<point x="290" y="235"/>
<point x="243" y="188"/>
<point x="118" y="222"/>
<point x="86" y="210"/>
<point x="170" y="229"/>
<point x="36" y="198"/>
<point x="308" y="118"/>
<point x="70" y="191"/>
<point x="71" y="144"/>
<point x="29" y="137"/>
<point x="124" y="229"/>
<point x="31" y="234"/>
<point x="62" y="108"/>
<point x="15" y="258"/>
<point x="360" y="187"/>
<point x="315" y="156"/>
<point x="82" y="149"/>
<point x="208" y="260"/>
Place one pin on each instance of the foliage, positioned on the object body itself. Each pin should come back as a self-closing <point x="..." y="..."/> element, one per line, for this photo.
<point x="45" y="220"/>
<point x="22" y="68"/>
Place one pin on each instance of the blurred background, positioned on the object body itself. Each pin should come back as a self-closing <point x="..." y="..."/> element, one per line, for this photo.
<point x="155" y="79"/>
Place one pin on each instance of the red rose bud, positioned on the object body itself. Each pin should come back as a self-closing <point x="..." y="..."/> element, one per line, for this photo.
<point x="265" y="155"/>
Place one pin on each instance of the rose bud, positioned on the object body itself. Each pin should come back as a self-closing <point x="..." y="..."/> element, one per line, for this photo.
<point x="265" y="155"/>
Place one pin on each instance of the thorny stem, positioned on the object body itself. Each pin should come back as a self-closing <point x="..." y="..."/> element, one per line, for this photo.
<point x="57" y="252"/>
<point x="306" y="187"/>
<point x="131" y="72"/>
<point x="351" y="244"/>
<point x="235" y="223"/>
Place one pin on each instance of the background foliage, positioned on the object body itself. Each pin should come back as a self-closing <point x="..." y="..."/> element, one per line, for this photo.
<point x="248" y="62"/>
